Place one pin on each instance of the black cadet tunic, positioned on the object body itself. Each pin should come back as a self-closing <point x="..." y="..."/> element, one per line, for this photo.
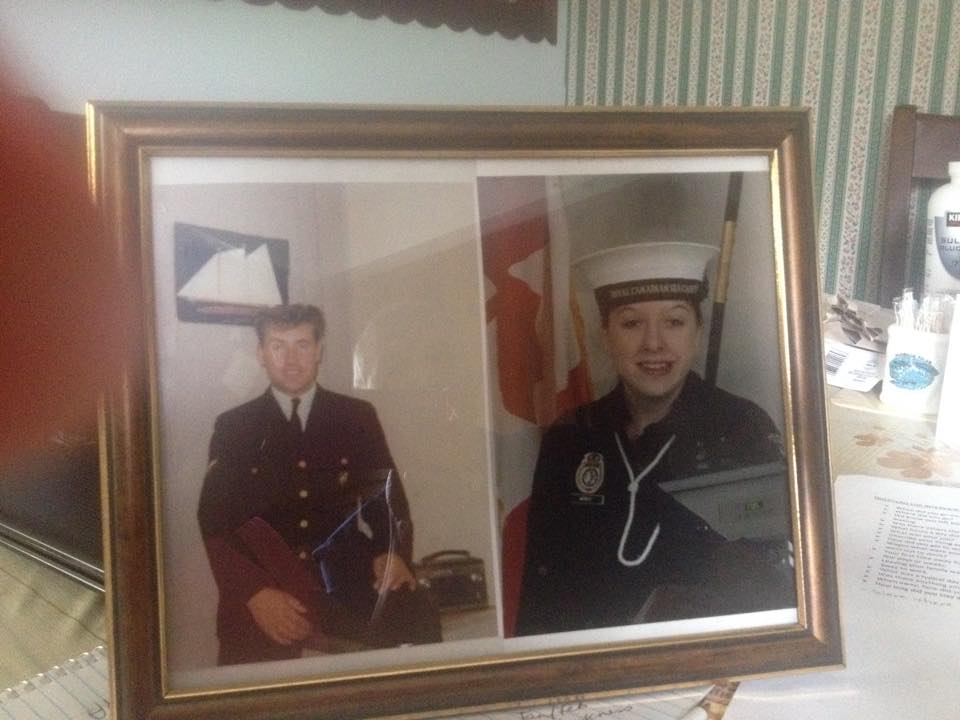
<point x="573" y="578"/>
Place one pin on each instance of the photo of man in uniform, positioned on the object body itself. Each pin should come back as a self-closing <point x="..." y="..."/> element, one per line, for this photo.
<point x="303" y="515"/>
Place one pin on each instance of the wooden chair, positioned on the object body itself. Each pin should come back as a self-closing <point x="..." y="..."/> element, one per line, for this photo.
<point x="921" y="145"/>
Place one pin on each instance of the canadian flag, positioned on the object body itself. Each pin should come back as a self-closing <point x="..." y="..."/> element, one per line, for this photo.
<point x="535" y="341"/>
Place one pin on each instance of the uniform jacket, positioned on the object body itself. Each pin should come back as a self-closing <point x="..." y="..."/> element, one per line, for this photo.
<point x="305" y="486"/>
<point x="580" y="502"/>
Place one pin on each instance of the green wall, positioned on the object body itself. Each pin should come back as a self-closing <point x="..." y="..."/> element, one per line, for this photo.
<point x="849" y="61"/>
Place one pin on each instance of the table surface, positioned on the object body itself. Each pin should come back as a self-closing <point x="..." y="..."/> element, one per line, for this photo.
<point x="866" y="438"/>
<point x="45" y="617"/>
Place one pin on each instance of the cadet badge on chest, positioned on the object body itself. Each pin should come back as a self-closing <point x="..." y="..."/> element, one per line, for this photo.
<point x="589" y="479"/>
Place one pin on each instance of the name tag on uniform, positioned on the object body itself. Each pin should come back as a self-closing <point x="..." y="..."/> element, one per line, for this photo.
<point x="588" y="478"/>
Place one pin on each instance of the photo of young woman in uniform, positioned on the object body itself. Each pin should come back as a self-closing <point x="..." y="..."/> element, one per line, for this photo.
<point x="658" y="489"/>
<point x="602" y="535"/>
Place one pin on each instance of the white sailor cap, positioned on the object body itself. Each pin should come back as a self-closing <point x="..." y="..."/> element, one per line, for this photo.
<point x="647" y="271"/>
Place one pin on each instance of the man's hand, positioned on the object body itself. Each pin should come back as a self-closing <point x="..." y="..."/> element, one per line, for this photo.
<point x="391" y="573"/>
<point x="280" y="616"/>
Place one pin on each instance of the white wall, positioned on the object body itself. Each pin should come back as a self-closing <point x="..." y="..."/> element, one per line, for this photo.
<point x="68" y="51"/>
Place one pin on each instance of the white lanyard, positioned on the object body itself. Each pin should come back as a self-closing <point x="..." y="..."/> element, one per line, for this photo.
<point x="632" y="488"/>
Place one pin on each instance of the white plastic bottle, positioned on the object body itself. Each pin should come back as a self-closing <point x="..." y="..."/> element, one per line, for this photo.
<point x="941" y="273"/>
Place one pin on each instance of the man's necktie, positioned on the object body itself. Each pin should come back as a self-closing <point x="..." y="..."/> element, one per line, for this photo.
<point x="295" y="424"/>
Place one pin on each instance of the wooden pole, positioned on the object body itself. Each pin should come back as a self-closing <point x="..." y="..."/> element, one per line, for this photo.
<point x="723" y="276"/>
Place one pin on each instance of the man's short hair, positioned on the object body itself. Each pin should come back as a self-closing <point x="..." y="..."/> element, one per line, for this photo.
<point x="290" y="316"/>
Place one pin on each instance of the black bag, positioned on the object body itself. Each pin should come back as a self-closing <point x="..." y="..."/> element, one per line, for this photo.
<point x="454" y="578"/>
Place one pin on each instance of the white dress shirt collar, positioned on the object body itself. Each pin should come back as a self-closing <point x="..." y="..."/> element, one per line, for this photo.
<point x="286" y="403"/>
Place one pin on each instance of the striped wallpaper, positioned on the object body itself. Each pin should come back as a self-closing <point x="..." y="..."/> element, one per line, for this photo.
<point x="850" y="61"/>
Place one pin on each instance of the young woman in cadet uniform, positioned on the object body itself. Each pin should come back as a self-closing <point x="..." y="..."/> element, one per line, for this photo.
<point x="601" y="533"/>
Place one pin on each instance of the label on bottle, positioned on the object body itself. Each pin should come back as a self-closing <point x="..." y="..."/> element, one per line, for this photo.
<point x="947" y="236"/>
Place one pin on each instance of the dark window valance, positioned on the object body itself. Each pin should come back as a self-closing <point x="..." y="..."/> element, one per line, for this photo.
<point x="535" y="20"/>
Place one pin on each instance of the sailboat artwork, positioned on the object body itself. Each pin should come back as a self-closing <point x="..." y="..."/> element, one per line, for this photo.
<point x="226" y="277"/>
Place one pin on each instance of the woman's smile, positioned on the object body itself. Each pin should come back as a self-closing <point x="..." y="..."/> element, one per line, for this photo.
<point x="661" y="367"/>
<point x="653" y="345"/>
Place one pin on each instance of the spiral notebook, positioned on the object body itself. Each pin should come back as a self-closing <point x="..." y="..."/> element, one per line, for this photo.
<point x="78" y="689"/>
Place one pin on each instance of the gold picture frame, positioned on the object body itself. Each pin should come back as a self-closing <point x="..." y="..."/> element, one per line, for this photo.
<point x="384" y="226"/>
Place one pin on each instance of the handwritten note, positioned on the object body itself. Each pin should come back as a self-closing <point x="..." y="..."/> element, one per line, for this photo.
<point x="78" y="690"/>
<point x="654" y="706"/>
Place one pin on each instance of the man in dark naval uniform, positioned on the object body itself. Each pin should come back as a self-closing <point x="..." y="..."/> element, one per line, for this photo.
<point x="604" y="541"/>
<point x="303" y="515"/>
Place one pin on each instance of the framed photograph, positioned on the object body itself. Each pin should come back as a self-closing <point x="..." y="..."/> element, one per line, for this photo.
<point x="440" y="409"/>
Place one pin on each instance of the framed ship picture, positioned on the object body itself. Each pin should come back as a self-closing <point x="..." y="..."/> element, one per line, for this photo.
<point x="225" y="277"/>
